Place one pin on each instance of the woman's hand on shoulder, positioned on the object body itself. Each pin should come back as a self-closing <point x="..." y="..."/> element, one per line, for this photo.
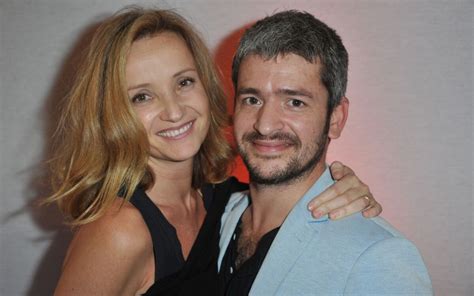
<point x="109" y="256"/>
<point x="347" y="196"/>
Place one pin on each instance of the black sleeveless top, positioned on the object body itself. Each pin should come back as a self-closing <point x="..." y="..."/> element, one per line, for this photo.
<point x="197" y="275"/>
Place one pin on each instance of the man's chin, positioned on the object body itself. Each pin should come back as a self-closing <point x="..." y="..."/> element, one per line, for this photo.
<point x="267" y="168"/>
<point x="270" y="176"/>
<point x="273" y="173"/>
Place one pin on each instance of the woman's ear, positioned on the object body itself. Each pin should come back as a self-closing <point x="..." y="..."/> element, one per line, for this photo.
<point x="338" y="119"/>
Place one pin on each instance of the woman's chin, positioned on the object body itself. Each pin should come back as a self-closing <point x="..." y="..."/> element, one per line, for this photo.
<point x="176" y="155"/>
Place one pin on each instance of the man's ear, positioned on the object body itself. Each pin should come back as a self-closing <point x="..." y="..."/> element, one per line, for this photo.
<point x="338" y="118"/>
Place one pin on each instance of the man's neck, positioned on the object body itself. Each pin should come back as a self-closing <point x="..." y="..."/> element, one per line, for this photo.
<point x="272" y="204"/>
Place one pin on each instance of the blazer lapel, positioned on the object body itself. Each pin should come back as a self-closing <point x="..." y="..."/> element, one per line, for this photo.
<point x="298" y="229"/>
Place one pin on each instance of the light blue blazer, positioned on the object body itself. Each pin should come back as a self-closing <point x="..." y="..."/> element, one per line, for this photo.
<point x="353" y="256"/>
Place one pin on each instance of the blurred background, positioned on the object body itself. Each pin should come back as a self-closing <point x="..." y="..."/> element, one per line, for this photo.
<point x="409" y="134"/>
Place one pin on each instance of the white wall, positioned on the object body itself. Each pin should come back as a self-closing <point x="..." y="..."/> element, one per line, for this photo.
<point x="409" y="134"/>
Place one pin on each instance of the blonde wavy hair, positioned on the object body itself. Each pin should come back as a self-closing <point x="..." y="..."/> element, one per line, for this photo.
<point x="100" y="147"/>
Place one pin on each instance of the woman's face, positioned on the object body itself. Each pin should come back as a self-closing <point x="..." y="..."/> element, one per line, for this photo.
<point x="165" y="90"/>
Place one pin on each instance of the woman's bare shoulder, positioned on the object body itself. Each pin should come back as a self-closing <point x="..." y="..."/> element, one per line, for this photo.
<point x="122" y="225"/>
<point x="109" y="254"/>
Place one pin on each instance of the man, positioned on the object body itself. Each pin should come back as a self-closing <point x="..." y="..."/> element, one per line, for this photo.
<point x="290" y="76"/>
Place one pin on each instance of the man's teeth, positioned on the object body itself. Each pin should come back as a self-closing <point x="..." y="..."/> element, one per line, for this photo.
<point x="175" y="133"/>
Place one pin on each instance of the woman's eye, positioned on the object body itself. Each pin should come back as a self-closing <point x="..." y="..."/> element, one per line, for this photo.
<point x="186" y="82"/>
<point x="139" y="98"/>
<point x="251" y="101"/>
<point x="296" y="103"/>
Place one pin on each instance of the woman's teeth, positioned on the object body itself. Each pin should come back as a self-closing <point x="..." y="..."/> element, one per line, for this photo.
<point x="176" y="132"/>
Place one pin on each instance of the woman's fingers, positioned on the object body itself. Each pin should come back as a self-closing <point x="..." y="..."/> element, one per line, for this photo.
<point x="342" y="203"/>
<point x="347" y="196"/>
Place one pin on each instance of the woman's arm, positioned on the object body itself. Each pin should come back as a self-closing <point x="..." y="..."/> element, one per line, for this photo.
<point x="345" y="197"/>
<point x="110" y="256"/>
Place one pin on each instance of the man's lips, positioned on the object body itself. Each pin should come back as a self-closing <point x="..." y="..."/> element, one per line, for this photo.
<point x="271" y="145"/>
<point x="176" y="132"/>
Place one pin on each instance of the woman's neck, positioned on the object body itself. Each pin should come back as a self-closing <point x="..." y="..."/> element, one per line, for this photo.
<point x="182" y="206"/>
<point x="172" y="182"/>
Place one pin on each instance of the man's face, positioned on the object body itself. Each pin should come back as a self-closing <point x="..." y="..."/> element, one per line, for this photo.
<point x="280" y="120"/>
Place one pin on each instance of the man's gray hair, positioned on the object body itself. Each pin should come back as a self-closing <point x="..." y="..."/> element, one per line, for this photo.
<point x="300" y="33"/>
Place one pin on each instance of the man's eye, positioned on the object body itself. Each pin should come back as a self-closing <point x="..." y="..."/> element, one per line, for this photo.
<point x="186" y="82"/>
<point x="139" y="98"/>
<point x="296" y="103"/>
<point x="251" y="101"/>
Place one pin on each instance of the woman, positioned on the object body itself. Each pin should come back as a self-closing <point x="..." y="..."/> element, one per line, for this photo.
<point x="141" y="162"/>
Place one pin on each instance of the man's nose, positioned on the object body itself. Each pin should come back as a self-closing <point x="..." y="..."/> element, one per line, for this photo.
<point x="269" y="119"/>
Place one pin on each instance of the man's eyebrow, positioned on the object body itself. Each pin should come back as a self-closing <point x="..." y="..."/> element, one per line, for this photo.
<point x="295" y="92"/>
<point x="247" y="91"/>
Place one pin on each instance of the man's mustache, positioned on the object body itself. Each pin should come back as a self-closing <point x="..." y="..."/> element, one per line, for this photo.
<point x="284" y="137"/>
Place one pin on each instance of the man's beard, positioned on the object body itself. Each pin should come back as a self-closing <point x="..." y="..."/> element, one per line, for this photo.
<point x="297" y="167"/>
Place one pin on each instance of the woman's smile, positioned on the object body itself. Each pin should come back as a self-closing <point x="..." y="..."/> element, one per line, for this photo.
<point x="178" y="132"/>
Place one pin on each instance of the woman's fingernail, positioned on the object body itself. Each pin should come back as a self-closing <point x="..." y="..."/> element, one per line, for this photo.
<point x="317" y="214"/>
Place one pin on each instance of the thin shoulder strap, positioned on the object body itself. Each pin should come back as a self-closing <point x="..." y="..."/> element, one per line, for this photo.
<point x="166" y="247"/>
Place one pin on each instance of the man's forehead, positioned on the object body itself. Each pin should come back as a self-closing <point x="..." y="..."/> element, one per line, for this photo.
<point x="288" y="69"/>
